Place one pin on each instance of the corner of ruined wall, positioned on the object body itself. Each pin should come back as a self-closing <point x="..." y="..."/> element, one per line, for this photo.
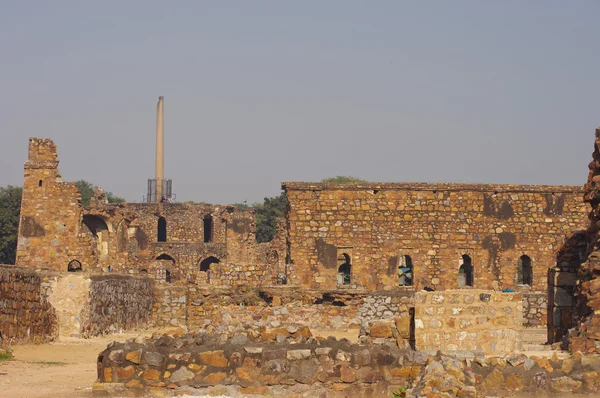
<point x="27" y="317"/>
<point x="51" y="212"/>
<point x="586" y="336"/>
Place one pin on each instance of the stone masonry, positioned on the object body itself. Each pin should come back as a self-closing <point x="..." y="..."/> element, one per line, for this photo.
<point x="480" y="320"/>
<point x="376" y="224"/>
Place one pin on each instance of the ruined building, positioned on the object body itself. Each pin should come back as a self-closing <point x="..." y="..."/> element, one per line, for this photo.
<point x="171" y="242"/>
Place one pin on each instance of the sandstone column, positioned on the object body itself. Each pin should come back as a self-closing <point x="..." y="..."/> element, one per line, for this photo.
<point x="160" y="141"/>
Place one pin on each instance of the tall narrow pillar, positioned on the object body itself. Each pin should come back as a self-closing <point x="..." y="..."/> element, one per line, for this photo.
<point x="160" y="155"/>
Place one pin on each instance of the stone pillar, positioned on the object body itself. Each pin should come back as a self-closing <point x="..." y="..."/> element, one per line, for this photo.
<point x="160" y="141"/>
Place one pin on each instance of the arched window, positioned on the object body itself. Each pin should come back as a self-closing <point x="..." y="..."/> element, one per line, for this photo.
<point x="344" y="271"/>
<point x="524" y="271"/>
<point x="208" y="229"/>
<point x="405" y="271"/>
<point x="74" y="266"/>
<point x="205" y="264"/>
<point x="465" y="272"/>
<point x="162" y="229"/>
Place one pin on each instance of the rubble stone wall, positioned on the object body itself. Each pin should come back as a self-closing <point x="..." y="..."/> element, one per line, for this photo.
<point x="587" y="336"/>
<point x="198" y="365"/>
<point x="50" y="230"/>
<point x="25" y="315"/>
<point x="55" y="229"/>
<point x="376" y="224"/>
<point x="116" y="303"/>
<point x="469" y="319"/>
<point x="255" y="368"/>
<point x="535" y="310"/>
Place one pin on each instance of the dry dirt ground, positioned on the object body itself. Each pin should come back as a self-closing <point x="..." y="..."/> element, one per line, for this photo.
<point x="67" y="368"/>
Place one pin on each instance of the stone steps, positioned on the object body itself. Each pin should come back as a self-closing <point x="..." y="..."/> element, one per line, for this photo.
<point x="535" y="336"/>
<point x="537" y="347"/>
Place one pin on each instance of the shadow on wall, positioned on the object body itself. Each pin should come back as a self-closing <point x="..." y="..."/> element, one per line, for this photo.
<point x="564" y="308"/>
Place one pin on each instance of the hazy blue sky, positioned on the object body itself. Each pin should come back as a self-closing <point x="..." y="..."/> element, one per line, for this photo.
<point x="259" y="92"/>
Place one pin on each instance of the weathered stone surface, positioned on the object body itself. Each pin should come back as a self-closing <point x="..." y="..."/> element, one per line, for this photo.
<point x="181" y="374"/>
<point x="565" y="384"/>
<point x="214" y="358"/>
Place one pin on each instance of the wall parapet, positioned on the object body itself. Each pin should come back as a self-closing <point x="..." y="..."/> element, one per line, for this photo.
<point x="438" y="186"/>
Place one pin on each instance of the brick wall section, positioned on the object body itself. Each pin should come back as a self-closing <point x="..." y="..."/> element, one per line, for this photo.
<point x="115" y="303"/>
<point x="468" y="320"/>
<point x="25" y="316"/>
<point x="435" y="224"/>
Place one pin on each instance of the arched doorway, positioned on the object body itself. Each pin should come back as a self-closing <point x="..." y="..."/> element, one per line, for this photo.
<point x="99" y="231"/>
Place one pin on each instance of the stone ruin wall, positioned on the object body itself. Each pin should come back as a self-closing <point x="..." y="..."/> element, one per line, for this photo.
<point x="50" y="230"/>
<point x="225" y="311"/>
<point x="25" y="315"/>
<point x="56" y="229"/>
<point x="116" y="303"/>
<point x="41" y="306"/>
<point x="303" y="366"/>
<point x="435" y="224"/>
<point x="586" y="337"/>
<point x="479" y="320"/>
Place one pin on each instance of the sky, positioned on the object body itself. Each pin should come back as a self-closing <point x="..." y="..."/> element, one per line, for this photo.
<point x="260" y="92"/>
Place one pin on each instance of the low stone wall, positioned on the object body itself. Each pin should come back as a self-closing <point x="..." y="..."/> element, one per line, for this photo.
<point x="116" y="302"/>
<point x="225" y="310"/>
<point x="535" y="310"/>
<point x="477" y="376"/>
<point x="308" y="366"/>
<point x="468" y="319"/>
<point x="305" y="367"/>
<point x="25" y="316"/>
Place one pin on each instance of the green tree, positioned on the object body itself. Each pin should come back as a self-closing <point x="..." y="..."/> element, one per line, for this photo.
<point x="10" y="210"/>
<point x="86" y="189"/>
<point x="112" y="198"/>
<point x="342" y="180"/>
<point x="268" y="215"/>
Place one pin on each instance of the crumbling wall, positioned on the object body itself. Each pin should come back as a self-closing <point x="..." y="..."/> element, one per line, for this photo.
<point x="50" y="230"/>
<point x="226" y="311"/>
<point x="587" y="336"/>
<point x="116" y="303"/>
<point x="308" y="367"/>
<point x="256" y="368"/>
<point x="25" y="315"/>
<point x="475" y="319"/>
<point x="55" y="229"/>
<point x="376" y="224"/>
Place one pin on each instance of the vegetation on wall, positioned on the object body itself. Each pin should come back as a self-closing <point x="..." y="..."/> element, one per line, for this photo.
<point x="10" y="209"/>
<point x="342" y="180"/>
<point x="86" y="189"/>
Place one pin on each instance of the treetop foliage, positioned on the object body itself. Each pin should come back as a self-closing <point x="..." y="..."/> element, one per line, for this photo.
<point x="10" y="210"/>
<point x="86" y="189"/>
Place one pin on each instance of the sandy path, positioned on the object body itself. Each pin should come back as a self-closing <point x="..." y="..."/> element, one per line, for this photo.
<point x="72" y="377"/>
